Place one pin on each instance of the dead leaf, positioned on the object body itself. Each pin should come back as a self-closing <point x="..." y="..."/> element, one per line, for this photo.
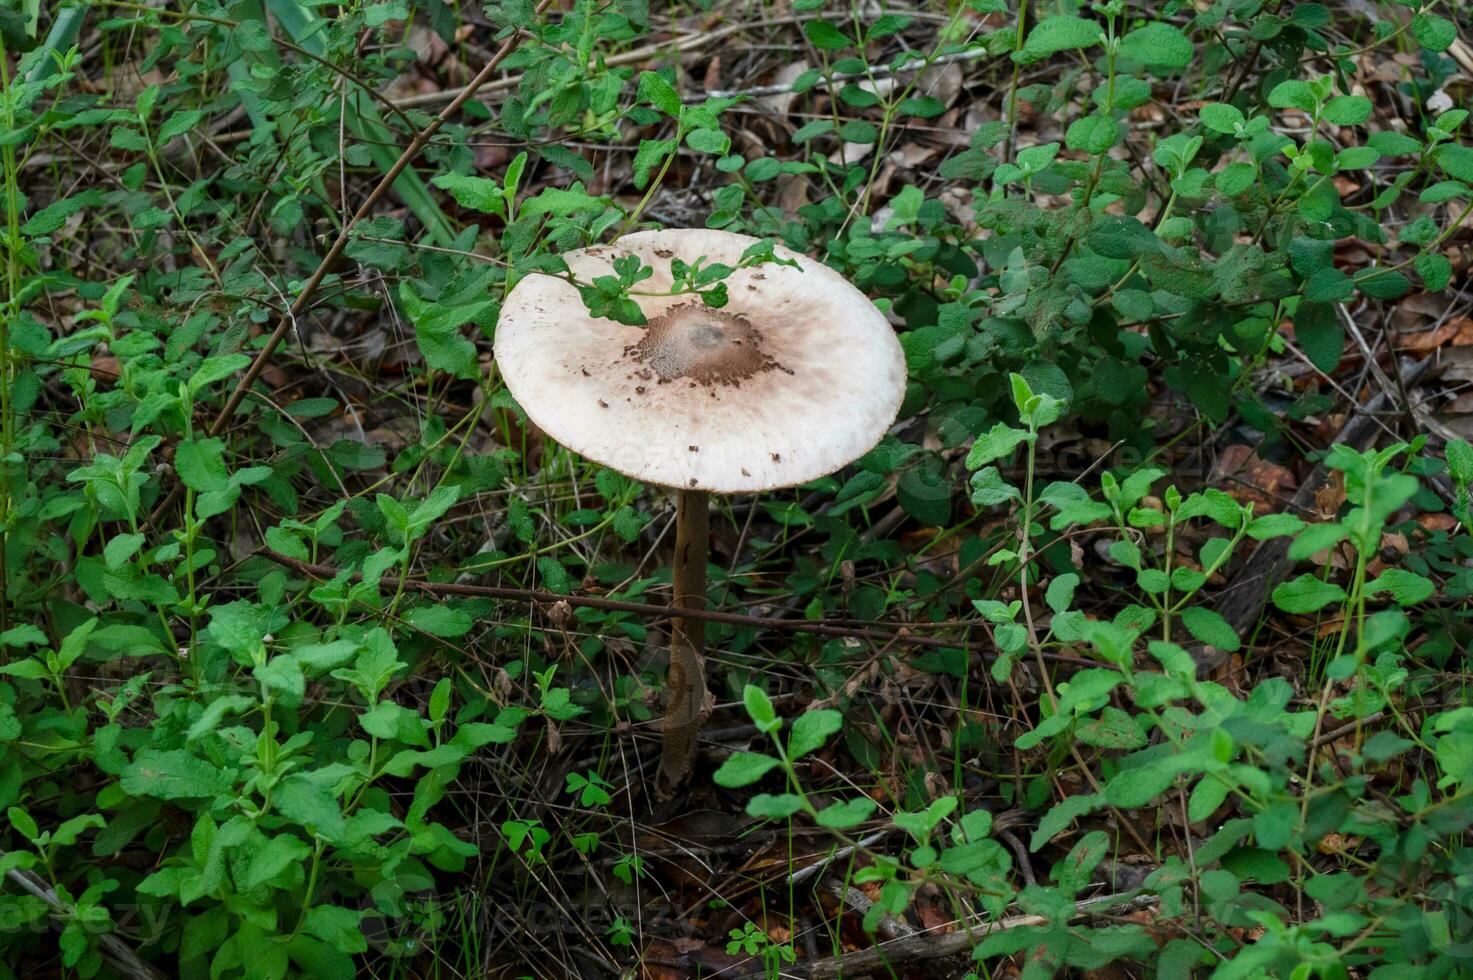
<point x="1453" y="333"/>
<point x="1250" y="479"/>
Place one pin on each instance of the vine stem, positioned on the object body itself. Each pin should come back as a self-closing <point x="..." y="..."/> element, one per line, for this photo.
<point x="1013" y="86"/>
<point x="299" y="305"/>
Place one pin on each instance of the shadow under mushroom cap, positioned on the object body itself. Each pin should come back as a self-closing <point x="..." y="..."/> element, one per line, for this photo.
<point x="798" y="375"/>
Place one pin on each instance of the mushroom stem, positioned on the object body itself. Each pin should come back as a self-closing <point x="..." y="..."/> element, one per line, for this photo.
<point x="686" y="708"/>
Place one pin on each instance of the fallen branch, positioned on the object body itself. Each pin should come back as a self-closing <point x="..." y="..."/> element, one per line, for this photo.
<point x="392" y="583"/>
<point x="678" y="46"/>
<point x="885" y="957"/>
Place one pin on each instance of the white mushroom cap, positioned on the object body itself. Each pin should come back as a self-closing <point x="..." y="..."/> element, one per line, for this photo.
<point x="798" y="375"/>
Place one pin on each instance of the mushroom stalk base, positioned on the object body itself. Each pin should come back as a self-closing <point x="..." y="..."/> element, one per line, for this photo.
<point x="686" y="707"/>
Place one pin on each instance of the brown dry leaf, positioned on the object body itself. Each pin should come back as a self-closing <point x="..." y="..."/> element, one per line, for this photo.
<point x="782" y="103"/>
<point x="941" y="82"/>
<point x="1457" y="416"/>
<point x="1249" y="479"/>
<point x="792" y="193"/>
<point x="1393" y="548"/>
<point x="1230" y="674"/>
<point x="1329" y="498"/>
<point x="1415" y="310"/>
<point x="106" y="369"/>
<point x="683" y="959"/>
<point x="1437" y="522"/>
<point x="1453" y="333"/>
<point x="1457" y="363"/>
<point x="912" y="155"/>
<point x="932" y="918"/>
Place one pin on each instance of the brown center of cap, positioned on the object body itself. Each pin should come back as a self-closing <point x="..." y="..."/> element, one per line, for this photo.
<point x="708" y="346"/>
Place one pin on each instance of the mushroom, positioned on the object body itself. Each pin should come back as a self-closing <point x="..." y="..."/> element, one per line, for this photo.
<point x="795" y="377"/>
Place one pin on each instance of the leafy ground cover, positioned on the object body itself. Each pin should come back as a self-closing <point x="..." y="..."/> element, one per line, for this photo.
<point x="1138" y="646"/>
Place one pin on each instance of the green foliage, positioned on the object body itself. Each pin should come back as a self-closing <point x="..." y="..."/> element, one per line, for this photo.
<point x="237" y="712"/>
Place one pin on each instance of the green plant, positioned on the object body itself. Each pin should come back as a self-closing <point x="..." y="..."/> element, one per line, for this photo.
<point x="255" y="462"/>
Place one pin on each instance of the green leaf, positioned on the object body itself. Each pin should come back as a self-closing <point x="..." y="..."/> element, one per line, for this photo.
<point x="1306" y="594"/>
<point x="1060" y="593"/>
<point x="1347" y="110"/>
<point x="760" y="709"/>
<point x="1405" y="588"/>
<point x="1221" y="117"/>
<point x="922" y="107"/>
<point x="312" y="804"/>
<point x="1210" y="628"/>
<point x="1093" y="134"/>
<point x="200" y="464"/>
<point x="1433" y="32"/>
<point x="989" y="490"/>
<point x="1061" y="815"/>
<point x="440" y="620"/>
<point x="271" y="859"/>
<point x="282" y="676"/>
<point x="708" y="141"/>
<point x="849" y="813"/>
<point x="23" y="822"/>
<point x="1034" y="159"/>
<point x="1274" y="526"/>
<point x="1235" y="178"/>
<point x="825" y="36"/>
<point x="31" y="670"/>
<point x="1206" y="797"/>
<point x="121" y="548"/>
<point x="997" y="442"/>
<point x="1319" y="333"/>
<point x="1113" y="729"/>
<point x="647" y="158"/>
<point x="172" y="775"/>
<point x="1131" y="788"/>
<point x="339" y="927"/>
<point x="479" y="733"/>
<point x="476" y="193"/>
<point x="23" y="635"/>
<point x="1460" y="461"/>
<point x="561" y="203"/>
<point x="1061" y="33"/>
<point x="655" y="90"/>
<point x="437" y="331"/>
<point x="1316" y="538"/>
<point x="743" y="769"/>
<point x="1436" y="270"/>
<point x="178" y="124"/>
<point x="811" y="729"/>
<point x="774" y="807"/>
<point x="55" y="214"/>
<point x="1390" y="143"/>
<point x="1158" y="46"/>
<point x="1455" y="757"/>
<point x="1292" y="94"/>
<point x="1457" y="160"/>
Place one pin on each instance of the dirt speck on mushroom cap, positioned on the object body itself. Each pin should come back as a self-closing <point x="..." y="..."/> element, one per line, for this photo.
<point x="791" y="380"/>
